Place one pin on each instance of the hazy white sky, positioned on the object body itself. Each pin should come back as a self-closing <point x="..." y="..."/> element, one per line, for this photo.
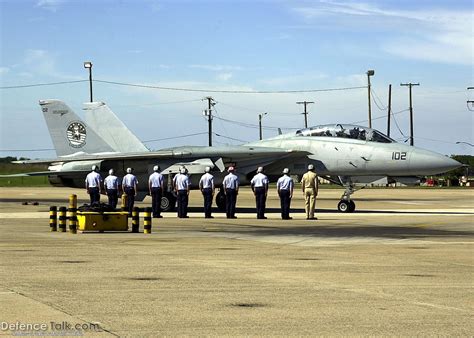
<point x="238" y="45"/>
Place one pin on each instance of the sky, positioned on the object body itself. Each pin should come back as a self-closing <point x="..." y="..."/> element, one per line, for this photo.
<point x="252" y="46"/>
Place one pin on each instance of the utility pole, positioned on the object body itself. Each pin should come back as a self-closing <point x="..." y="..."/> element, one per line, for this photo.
<point x="409" y="85"/>
<point x="260" y="116"/>
<point x="208" y="113"/>
<point x="389" y="108"/>
<point x="369" y="73"/>
<point x="305" y="112"/>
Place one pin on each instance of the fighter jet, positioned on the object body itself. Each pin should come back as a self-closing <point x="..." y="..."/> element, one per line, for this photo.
<point x="348" y="155"/>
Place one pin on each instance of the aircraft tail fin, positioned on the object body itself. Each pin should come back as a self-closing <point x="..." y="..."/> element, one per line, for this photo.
<point x="101" y="118"/>
<point x="70" y="135"/>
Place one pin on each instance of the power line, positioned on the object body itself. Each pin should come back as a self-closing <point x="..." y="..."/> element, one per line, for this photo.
<point x="42" y="84"/>
<point x="375" y="98"/>
<point x="380" y="117"/>
<point x="175" y="137"/>
<point x="228" y="91"/>
<point x="230" y="138"/>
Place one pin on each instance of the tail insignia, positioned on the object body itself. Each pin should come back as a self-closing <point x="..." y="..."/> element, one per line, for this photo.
<point x="76" y="134"/>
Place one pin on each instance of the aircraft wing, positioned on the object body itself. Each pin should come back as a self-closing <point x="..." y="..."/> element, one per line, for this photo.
<point x="44" y="173"/>
<point x="174" y="153"/>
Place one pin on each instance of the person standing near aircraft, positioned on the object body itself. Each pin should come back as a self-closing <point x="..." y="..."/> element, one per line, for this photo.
<point x="182" y="185"/>
<point x="259" y="184"/>
<point x="231" y="190"/>
<point x="310" y="185"/>
<point x="111" y="185"/>
<point x="129" y="184"/>
<point x="206" y="185"/>
<point x="285" y="187"/>
<point x="93" y="184"/>
<point x="156" y="187"/>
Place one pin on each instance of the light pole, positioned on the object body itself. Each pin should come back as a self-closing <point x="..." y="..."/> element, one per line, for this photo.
<point x="260" y="116"/>
<point x="88" y="65"/>
<point x="369" y="73"/>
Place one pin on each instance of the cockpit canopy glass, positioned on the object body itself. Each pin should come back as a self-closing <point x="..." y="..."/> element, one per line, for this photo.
<point x="346" y="131"/>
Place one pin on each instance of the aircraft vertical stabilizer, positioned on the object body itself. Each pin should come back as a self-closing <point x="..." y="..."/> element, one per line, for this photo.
<point x="68" y="132"/>
<point x="111" y="129"/>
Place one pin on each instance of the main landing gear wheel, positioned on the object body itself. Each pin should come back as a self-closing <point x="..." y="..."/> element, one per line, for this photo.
<point x="220" y="201"/>
<point x="346" y="206"/>
<point x="168" y="201"/>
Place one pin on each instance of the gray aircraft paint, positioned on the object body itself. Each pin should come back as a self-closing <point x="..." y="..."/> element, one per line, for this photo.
<point x="69" y="134"/>
<point x="352" y="154"/>
<point x="105" y="123"/>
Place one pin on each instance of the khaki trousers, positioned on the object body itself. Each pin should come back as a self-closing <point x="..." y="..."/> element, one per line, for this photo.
<point x="310" y="202"/>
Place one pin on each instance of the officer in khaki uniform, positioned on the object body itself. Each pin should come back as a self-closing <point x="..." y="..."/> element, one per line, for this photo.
<point x="310" y="185"/>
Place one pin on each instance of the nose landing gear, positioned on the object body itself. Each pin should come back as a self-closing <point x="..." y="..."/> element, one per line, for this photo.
<point x="346" y="204"/>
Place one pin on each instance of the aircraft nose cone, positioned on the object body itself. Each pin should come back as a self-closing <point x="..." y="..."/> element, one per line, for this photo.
<point x="445" y="163"/>
<point x="432" y="163"/>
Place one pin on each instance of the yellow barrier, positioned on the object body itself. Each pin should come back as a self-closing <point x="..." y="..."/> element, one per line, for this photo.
<point x="124" y="202"/>
<point x="147" y="221"/>
<point x="135" y="219"/>
<point x="53" y="222"/>
<point x="62" y="219"/>
<point x="72" y="214"/>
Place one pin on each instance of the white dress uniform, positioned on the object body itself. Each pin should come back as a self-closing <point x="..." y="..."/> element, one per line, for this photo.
<point x="259" y="184"/>
<point x="156" y="186"/>
<point x="182" y="183"/>
<point x="93" y="180"/>
<point x="206" y="184"/>
<point x="129" y="181"/>
<point x="231" y="188"/>
<point x="231" y="181"/>
<point x="156" y="180"/>
<point x="285" y="183"/>
<point x="285" y="187"/>
<point x="111" y="185"/>
<point x="206" y="181"/>
<point x="111" y="182"/>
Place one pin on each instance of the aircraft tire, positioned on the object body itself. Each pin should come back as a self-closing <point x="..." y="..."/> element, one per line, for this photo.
<point x="220" y="201"/>
<point x="352" y="206"/>
<point x="168" y="201"/>
<point x="343" y="206"/>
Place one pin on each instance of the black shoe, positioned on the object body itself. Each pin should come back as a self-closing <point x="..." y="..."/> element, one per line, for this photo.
<point x="209" y="217"/>
<point x="234" y="217"/>
<point x="159" y="216"/>
<point x="185" y="216"/>
<point x="263" y="217"/>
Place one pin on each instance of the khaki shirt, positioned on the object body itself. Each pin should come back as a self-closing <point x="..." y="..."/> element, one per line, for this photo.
<point x="310" y="180"/>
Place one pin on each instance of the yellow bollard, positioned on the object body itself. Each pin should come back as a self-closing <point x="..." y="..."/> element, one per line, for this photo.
<point x="72" y="214"/>
<point x="135" y="219"/>
<point x="53" y="222"/>
<point x="62" y="219"/>
<point x="124" y="202"/>
<point x="147" y="221"/>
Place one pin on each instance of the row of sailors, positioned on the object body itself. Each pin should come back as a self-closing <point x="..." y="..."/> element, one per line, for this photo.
<point x="182" y="184"/>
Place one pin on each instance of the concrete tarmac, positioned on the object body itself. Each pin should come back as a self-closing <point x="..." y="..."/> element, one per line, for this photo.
<point x="401" y="265"/>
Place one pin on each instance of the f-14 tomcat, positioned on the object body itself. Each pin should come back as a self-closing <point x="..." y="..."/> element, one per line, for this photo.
<point x="348" y="155"/>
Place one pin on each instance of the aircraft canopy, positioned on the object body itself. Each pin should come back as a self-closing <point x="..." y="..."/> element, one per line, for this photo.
<point x="346" y="131"/>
